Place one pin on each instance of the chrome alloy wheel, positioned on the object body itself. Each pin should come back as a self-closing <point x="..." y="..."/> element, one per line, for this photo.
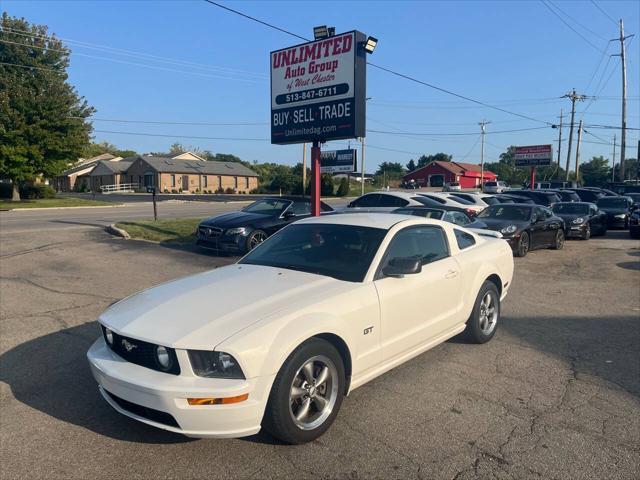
<point x="256" y="239"/>
<point x="488" y="314"/>
<point x="313" y="393"/>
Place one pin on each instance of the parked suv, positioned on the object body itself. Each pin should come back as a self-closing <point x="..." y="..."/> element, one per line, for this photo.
<point x="451" y="187"/>
<point x="539" y="196"/>
<point x="495" y="187"/>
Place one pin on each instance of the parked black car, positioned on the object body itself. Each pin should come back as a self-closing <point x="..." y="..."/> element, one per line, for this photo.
<point x="618" y="210"/>
<point x="565" y="195"/>
<point x="525" y="227"/>
<point x="581" y="219"/>
<point x="606" y="192"/>
<point x="634" y="224"/>
<point x="239" y="232"/>
<point x="458" y="216"/>
<point x="540" y="197"/>
<point x="516" y="198"/>
<point x="588" y="195"/>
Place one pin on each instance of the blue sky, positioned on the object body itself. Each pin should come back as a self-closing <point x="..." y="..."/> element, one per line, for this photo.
<point x="189" y="61"/>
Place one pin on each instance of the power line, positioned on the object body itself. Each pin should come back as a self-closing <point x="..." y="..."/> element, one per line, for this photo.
<point x="160" y="122"/>
<point x="392" y="72"/>
<point x="32" y="67"/>
<point x="146" y="134"/>
<point x="471" y="149"/>
<point x="568" y="25"/>
<point x="604" y="12"/>
<point x="457" y="134"/>
<point x="132" y="53"/>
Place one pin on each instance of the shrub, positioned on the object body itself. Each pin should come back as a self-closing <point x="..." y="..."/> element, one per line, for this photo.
<point x="37" y="190"/>
<point x="229" y="190"/>
<point x="343" y="188"/>
<point x="326" y="185"/>
<point x="173" y="190"/>
<point x="165" y="190"/>
<point x="220" y="190"/>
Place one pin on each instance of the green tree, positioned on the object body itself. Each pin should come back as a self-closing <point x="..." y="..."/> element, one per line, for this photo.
<point x="94" y="149"/>
<point x="326" y="185"/>
<point x="390" y="169"/>
<point x="43" y="124"/>
<point x="343" y="188"/>
<point x="596" y="172"/>
<point x="630" y="169"/>
<point x="411" y="166"/>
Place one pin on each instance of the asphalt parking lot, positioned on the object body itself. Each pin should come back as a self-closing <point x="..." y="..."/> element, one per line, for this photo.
<point x="556" y="394"/>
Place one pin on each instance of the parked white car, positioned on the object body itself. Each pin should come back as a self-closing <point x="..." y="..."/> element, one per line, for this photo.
<point x="277" y="340"/>
<point x="480" y="199"/>
<point x="495" y="187"/>
<point x="451" y="187"/>
<point x="451" y="200"/>
<point x="384" y="202"/>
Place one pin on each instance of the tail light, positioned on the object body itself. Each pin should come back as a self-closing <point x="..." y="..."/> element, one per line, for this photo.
<point x="471" y="212"/>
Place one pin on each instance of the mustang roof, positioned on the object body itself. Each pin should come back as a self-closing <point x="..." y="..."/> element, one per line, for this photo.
<point x="374" y="220"/>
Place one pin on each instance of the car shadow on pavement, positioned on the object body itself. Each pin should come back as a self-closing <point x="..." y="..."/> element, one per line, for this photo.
<point x="629" y="265"/>
<point x="604" y="347"/>
<point x="51" y="374"/>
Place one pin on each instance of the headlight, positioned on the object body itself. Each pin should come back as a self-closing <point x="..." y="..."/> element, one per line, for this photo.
<point x="163" y="358"/>
<point x="108" y="336"/>
<point x="622" y="215"/>
<point x="236" y="231"/>
<point x="578" y="220"/>
<point x="508" y="230"/>
<point x="214" y="364"/>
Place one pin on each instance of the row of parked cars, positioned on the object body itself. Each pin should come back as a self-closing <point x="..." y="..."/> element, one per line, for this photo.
<point x="526" y="219"/>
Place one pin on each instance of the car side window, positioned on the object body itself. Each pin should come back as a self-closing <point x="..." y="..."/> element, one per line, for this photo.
<point x="300" y="208"/>
<point x="428" y="243"/>
<point x="464" y="239"/>
<point x="547" y="213"/>
<point x="366" y="201"/>
<point x="539" y="213"/>
<point x="458" y="218"/>
<point x="391" y="201"/>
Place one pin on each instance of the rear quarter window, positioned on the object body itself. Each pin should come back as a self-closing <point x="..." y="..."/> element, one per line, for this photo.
<point x="464" y="239"/>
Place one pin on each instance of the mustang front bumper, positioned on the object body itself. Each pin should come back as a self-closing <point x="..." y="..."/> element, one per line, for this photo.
<point x="160" y="399"/>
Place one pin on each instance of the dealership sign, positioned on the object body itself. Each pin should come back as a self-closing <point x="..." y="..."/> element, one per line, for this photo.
<point x="334" y="161"/>
<point x="534" y="156"/>
<point x="318" y="90"/>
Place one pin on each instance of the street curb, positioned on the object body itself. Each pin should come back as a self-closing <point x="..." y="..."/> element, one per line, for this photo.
<point x="37" y="209"/>
<point x="113" y="230"/>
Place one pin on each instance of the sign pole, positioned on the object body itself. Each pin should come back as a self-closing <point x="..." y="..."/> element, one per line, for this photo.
<point x="533" y="178"/>
<point x="315" y="178"/>
<point x="304" y="169"/>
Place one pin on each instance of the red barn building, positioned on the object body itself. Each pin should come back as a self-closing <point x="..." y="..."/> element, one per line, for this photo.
<point x="436" y="174"/>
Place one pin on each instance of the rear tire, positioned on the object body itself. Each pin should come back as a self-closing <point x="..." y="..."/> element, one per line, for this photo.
<point x="559" y="242"/>
<point x="523" y="245"/>
<point x="483" y="321"/>
<point x="306" y="393"/>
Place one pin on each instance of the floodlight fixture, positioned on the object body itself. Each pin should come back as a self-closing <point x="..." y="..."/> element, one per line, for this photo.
<point x="370" y="44"/>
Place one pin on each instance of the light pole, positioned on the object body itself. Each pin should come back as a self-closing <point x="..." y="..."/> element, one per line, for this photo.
<point x="482" y="124"/>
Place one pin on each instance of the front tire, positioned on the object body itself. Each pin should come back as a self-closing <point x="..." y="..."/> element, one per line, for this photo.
<point x="483" y="321"/>
<point x="255" y="238"/>
<point x="523" y="245"/>
<point x="306" y="394"/>
<point x="559" y="242"/>
<point x="587" y="233"/>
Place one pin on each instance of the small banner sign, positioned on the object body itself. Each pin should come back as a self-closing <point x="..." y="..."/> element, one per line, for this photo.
<point x="534" y="156"/>
<point x="335" y="161"/>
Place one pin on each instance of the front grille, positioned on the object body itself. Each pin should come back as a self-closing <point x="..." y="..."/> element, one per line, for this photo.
<point x="141" y="353"/>
<point x="145" y="412"/>
<point x="210" y="232"/>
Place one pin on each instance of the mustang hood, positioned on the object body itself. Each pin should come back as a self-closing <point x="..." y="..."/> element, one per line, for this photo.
<point x="233" y="219"/>
<point x="200" y="311"/>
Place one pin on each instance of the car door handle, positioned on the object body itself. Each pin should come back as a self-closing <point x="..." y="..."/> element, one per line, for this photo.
<point x="451" y="274"/>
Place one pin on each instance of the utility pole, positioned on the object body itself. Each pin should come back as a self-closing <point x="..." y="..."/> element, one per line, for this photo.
<point x="578" y="151"/>
<point x="613" y="165"/>
<point x="482" y="124"/>
<point x="623" y="63"/>
<point x="304" y="168"/>
<point x="573" y="96"/>
<point x="362" y="140"/>
<point x="560" y="137"/>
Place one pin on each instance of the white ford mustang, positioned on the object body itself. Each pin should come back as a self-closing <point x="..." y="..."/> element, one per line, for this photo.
<point x="278" y="339"/>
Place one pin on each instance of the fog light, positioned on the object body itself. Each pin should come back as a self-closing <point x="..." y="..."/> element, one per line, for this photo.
<point x="108" y="335"/>
<point x="218" y="401"/>
<point x="163" y="357"/>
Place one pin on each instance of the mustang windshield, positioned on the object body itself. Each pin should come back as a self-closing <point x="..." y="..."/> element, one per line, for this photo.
<point x="571" y="208"/>
<point x="269" y="206"/>
<point x="506" y="212"/>
<point x="344" y="252"/>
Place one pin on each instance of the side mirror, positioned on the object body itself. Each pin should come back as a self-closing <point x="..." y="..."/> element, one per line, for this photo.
<point x="350" y="205"/>
<point x="399" y="267"/>
<point x="288" y="214"/>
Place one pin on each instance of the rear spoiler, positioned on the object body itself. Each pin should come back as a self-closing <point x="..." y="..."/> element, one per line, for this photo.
<point x="486" y="233"/>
